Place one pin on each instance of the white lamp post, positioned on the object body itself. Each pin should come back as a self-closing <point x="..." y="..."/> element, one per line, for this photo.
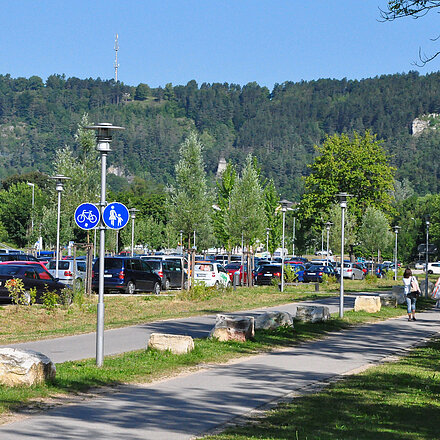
<point x="133" y="212"/>
<point x="33" y="204"/>
<point x="396" y="231"/>
<point x="285" y="204"/>
<point x="267" y="238"/>
<point x="343" y="204"/>
<point x="328" y="225"/>
<point x="428" y="217"/>
<point x="104" y="138"/>
<point x="59" y="178"/>
<point x="181" y="241"/>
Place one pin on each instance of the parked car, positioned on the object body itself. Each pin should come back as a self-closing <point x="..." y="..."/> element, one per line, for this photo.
<point x="236" y="266"/>
<point x="434" y="268"/>
<point x="170" y="272"/>
<point x="211" y="274"/>
<point x="420" y="265"/>
<point x="127" y="275"/>
<point x="381" y="270"/>
<point x="267" y="273"/>
<point x="67" y="273"/>
<point x="362" y="266"/>
<point x="351" y="272"/>
<point x="314" y="273"/>
<point x="299" y="270"/>
<point x="34" y="275"/>
<point x="17" y="257"/>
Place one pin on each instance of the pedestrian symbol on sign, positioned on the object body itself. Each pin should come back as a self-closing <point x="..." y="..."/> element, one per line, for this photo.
<point x="115" y="215"/>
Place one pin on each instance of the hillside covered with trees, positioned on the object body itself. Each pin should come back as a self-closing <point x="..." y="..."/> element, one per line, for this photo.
<point x="279" y="127"/>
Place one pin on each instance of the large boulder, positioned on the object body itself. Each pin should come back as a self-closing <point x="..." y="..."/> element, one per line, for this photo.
<point x="388" y="300"/>
<point x="177" y="344"/>
<point x="312" y="313"/>
<point x="398" y="293"/>
<point x="422" y="287"/>
<point x="233" y="328"/>
<point x="369" y="304"/>
<point x="24" y="367"/>
<point x="273" y="320"/>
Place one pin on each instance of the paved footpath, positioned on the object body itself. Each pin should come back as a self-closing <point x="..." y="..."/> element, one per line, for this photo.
<point x="190" y="405"/>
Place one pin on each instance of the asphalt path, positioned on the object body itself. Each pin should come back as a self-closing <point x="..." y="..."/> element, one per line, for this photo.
<point x="190" y="405"/>
<point x="73" y="348"/>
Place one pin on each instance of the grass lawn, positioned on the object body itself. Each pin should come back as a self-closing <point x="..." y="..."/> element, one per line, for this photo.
<point x="23" y="323"/>
<point x="394" y="401"/>
<point x="147" y="365"/>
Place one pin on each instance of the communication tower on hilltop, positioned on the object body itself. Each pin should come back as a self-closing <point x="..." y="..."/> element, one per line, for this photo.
<point x="116" y="58"/>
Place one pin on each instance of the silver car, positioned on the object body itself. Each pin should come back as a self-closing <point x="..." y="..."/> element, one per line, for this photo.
<point x="353" y="272"/>
<point x="66" y="272"/>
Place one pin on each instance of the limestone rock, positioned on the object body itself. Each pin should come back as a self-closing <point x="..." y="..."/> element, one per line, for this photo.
<point x="177" y="344"/>
<point x="24" y="367"/>
<point x="422" y="287"/>
<point x="273" y="320"/>
<point x="233" y="328"/>
<point x="398" y="293"/>
<point x="369" y="304"/>
<point x="312" y="313"/>
<point x="388" y="300"/>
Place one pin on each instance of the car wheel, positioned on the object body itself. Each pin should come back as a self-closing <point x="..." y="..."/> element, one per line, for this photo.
<point x="167" y="284"/>
<point x="217" y="285"/>
<point x="156" y="289"/>
<point x="353" y="277"/>
<point x="430" y="272"/>
<point x="185" y="285"/>
<point x="78" y="283"/>
<point x="131" y="287"/>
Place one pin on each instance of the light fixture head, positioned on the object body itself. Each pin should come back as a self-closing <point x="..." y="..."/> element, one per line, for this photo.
<point x="133" y="212"/>
<point x="343" y="196"/>
<point x="396" y="229"/>
<point x="285" y="204"/>
<point x="59" y="179"/>
<point x="104" y="135"/>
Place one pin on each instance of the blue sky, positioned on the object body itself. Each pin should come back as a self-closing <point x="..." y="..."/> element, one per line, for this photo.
<point x="235" y="41"/>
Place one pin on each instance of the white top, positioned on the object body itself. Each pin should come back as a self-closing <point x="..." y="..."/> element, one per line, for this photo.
<point x="407" y="284"/>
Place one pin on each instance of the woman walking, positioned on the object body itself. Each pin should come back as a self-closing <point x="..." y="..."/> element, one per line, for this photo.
<point x="410" y="289"/>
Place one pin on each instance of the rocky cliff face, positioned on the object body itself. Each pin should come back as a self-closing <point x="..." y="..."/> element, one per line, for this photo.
<point x="430" y="121"/>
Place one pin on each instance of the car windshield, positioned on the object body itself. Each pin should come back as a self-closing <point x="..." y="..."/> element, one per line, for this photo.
<point x="204" y="267"/>
<point x="62" y="265"/>
<point x="7" y="269"/>
<point x="233" y="266"/>
<point x="316" y="268"/>
<point x="154" y="264"/>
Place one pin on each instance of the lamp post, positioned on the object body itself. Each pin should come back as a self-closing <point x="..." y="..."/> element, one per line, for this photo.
<point x="328" y="225"/>
<point x="133" y="212"/>
<point x="343" y="204"/>
<point x="104" y="138"/>
<point x="33" y="204"/>
<point x="267" y="238"/>
<point x="59" y="178"/>
<point x="181" y="241"/>
<point x="396" y="231"/>
<point x="285" y="204"/>
<point x="427" y="254"/>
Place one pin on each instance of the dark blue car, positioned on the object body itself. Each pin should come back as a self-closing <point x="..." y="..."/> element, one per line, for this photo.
<point x="299" y="271"/>
<point x="314" y="273"/>
<point x="127" y="275"/>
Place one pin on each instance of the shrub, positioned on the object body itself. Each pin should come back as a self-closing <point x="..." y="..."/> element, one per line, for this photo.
<point x="17" y="292"/>
<point x="290" y="275"/>
<point x="66" y="296"/>
<point x="200" y="292"/>
<point x="329" y="279"/>
<point x="50" y="299"/>
<point x="371" y="278"/>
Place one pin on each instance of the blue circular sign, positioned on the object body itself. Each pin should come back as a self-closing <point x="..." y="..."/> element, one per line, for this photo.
<point x="87" y="216"/>
<point x="115" y="215"/>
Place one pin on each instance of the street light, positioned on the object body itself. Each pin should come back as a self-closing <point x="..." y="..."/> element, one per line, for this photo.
<point x="396" y="231"/>
<point x="328" y="225"/>
<point x="104" y="138"/>
<point x="181" y="241"/>
<point x="267" y="238"/>
<point x="428" y="217"/>
<point x="343" y="204"/>
<point x="133" y="212"/>
<point x="285" y="204"/>
<point x="59" y="178"/>
<point x="33" y="203"/>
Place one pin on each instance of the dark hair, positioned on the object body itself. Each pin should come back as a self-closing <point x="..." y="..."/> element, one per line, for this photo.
<point x="407" y="273"/>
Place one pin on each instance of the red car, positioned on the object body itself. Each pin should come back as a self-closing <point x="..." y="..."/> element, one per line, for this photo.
<point x="236" y="266"/>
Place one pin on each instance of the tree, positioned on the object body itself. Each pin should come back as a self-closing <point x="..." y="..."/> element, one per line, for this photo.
<point x="358" y="166"/>
<point x="335" y="217"/>
<point x="224" y="190"/>
<point x="410" y="8"/>
<point x="246" y="216"/>
<point x="374" y="233"/>
<point x="191" y="203"/>
<point x="274" y="219"/>
<point x="142" y="92"/>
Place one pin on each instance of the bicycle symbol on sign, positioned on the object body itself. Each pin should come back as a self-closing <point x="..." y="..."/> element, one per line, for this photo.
<point x="87" y="215"/>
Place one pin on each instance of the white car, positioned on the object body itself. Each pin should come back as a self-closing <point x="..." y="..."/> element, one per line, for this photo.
<point x="211" y="274"/>
<point x="66" y="272"/>
<point x="434" y="267"/>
